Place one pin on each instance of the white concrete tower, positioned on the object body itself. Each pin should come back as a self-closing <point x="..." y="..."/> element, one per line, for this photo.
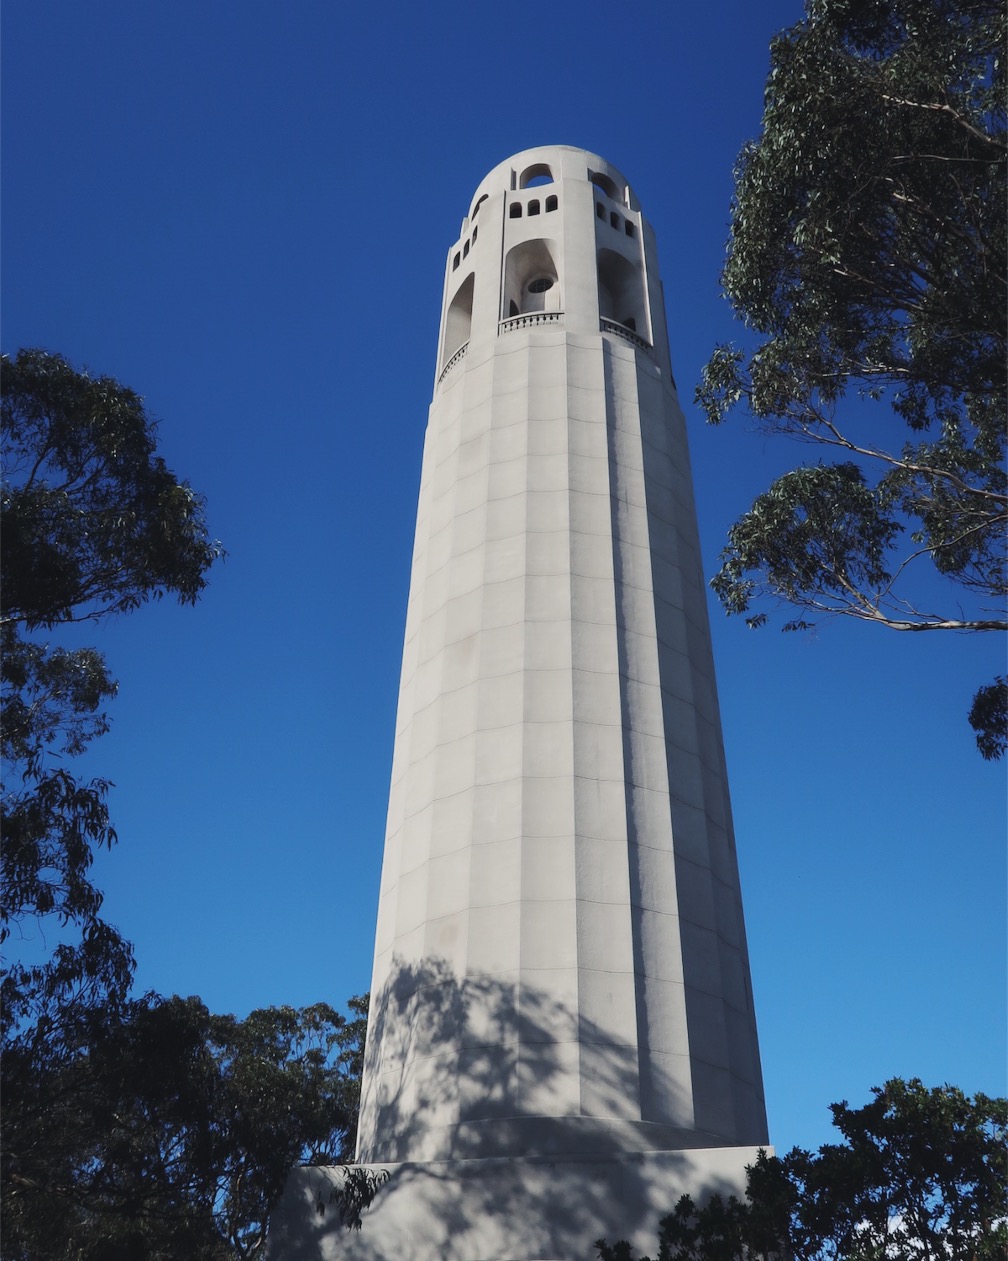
<point x="561" y="1002"/>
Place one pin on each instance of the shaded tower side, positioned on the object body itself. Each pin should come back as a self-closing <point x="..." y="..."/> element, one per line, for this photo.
<point x="560" y="962"/>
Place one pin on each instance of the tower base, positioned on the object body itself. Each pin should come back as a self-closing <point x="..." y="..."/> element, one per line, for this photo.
<point x="503" y="1209"/>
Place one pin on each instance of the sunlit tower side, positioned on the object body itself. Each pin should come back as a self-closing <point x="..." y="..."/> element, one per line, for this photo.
<point x="561" y="999"/>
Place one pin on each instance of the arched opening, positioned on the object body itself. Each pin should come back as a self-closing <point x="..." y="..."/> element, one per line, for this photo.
<point x="606" y="185"/>
<point x="531" y="280"/>
<point x="621" y="292"/>
<point x="455" y="261"/>
<point x="551" y="204"/>
<point x="475" y="209"/>
<point x="465" y="250"/>
<point x="533" y="207"/>
<point x="533" y="175"/>
<point x="515" y="211"/>
<point x="458" y="319"/>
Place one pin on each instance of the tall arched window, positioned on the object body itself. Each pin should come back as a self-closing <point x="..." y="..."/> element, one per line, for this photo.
<point x="621" y="292"/>
<point x="531" y="280"/>
<point x="458" y="319"/>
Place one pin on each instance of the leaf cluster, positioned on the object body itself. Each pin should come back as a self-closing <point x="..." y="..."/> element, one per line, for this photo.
<point x="869" y="255"/>
<point x="918" y="1174"/>
<point x="132" y="1129"/>
<point x="166" y="1131"/>
<point x="92" y="523"/>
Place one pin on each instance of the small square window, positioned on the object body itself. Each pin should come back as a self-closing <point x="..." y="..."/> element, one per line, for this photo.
<point x="455" y="261"/>
<point x="629" y="228"/>
<point x="600" y="210"/>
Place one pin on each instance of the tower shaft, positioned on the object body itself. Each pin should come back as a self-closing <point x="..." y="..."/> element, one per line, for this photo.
<point x="560" y="963"/>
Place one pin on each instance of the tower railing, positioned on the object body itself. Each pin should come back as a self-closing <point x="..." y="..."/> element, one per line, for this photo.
<point x="453" y="361"/>
<point x="530" y="321"/>
<point x="621" y="330"/>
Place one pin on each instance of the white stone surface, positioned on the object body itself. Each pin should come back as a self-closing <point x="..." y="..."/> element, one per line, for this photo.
<point x="559" y="805"/>
<point x="560" y="966"/>
<point x="504" y="1209"/>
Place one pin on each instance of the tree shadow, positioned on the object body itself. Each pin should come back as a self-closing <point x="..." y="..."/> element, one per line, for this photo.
<point x="483" y="1066"/>
<point x="499" y="1139"/>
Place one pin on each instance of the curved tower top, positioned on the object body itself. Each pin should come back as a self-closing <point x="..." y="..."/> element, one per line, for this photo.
<point x="551" y="164"/>
<point x="554" y="235"/>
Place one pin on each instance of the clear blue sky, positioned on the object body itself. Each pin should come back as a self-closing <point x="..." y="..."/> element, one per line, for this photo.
<point x="241" y="210"/>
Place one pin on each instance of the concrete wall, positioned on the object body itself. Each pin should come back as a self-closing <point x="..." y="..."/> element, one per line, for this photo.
<point x="560" y="962"/>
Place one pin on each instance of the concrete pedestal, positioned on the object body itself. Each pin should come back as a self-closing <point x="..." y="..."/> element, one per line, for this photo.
<point x="504" y="1209"/>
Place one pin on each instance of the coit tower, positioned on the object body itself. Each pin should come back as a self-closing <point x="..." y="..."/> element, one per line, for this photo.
<point x="561" y="987"/>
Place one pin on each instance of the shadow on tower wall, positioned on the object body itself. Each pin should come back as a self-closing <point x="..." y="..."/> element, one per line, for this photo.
<point x="479" y="1168"/>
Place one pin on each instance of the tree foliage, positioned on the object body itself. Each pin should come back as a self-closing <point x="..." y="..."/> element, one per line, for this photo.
<point x="919" y="1174"/>
<point x="92" y="523"/>
<point x="132" y="1129"/>
<point x="166" y="1131"/>
<point x="93" y="520"/>
<point x="868" y="255"/>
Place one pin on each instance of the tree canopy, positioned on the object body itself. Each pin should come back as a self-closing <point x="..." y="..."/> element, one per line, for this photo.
<point x="166" y="1131"/>
<point x="919" y="1173"/>
<point x="868" y="257"/>
<point x="92" y="523"/>
<point x="93" y="520"/>
<point x="132" y="1129"/>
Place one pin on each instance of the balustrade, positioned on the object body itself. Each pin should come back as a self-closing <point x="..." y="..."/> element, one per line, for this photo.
<point x="453" y="361"/>
<point x="531" y="320"/>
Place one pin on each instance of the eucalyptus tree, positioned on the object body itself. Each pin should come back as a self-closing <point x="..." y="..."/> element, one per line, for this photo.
<point x="92" y="524"/>
<point x="918" y="1173"/>
<point x="133" y="1129"/>
<point x="867" y="256"/>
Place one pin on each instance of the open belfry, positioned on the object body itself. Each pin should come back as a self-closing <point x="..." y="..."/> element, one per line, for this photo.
<point x="562" y="1038"/>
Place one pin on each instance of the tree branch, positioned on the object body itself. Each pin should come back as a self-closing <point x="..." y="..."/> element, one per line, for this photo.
<point x="940" y="107"/>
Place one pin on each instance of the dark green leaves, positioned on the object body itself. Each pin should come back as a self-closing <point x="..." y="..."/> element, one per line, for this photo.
<point x="136" y="1130"/>
<point x="93" y="522"/>
<point x="918" y="1174"/>
<point x="869" y="253"/>
<point x="818" y="537"/>
<point x="163" y="1131"/>
<point x="988" y="717"/>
